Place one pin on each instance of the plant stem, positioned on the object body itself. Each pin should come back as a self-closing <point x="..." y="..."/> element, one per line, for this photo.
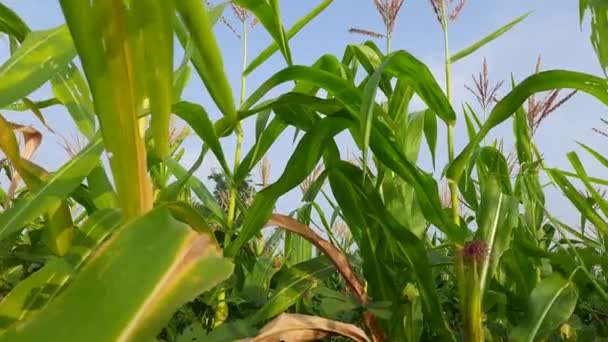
<point x="389" y="37"/>
<point x="473" y="316"/>
<point x="239" y="141"/>
<point x="470" y="305"/>
<point x="221" y="311"/>
<point x="448" y="89"/>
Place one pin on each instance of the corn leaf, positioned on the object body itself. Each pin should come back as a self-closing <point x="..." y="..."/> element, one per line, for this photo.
<point x="296" y="327"/>
<point x="487" y="39"/>
<point x="551" y="303"/>
<point x="134" y="290"/>
<point x="112" y="57"/>
<point x="12" y="24"/>
<point x="301" y="163"/>
<point x="38" y="59"/>
<point x="267" y="12"/>
<point x="199" y="189"/>
<point x="71" y="89"/>
<point x="36" y="291"/>
<point x="51" y="193"/>
<point x="297" y="27"/>
<point x="578" y="200"/>
<point x="582" y="173"/>
<point x="363" y="208"/>
<point x="267" y="137"/>
<point x="196" y="116"/>
<point x="546" y="80"/>
<point x="291" y="285"/>
<point x="197" y="21"/>
<point x="154" y="20"/>
<point x="496" y="219"/>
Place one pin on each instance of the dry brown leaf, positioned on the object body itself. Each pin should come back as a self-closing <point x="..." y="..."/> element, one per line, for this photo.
<point x="301" y="328"/>
<point x="337" y="258"/>
<point x="333" y="253"/>
<point x="32" y="139"/>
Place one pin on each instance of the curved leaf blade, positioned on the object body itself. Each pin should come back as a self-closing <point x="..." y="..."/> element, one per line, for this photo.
<point x="38" y="59"/>
<point x="50" y="193"/>
<point x="134" y="291"/>
<point x="551" y="303"/>
<point x="47" y="282"/>
<point x="487" y="39"/>
<point x="546" y="80"/>
<point x="297" y="27"/>
<point x="197" y="21"/>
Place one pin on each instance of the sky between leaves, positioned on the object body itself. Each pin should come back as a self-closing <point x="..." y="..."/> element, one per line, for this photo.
<point x="552" y="31"/>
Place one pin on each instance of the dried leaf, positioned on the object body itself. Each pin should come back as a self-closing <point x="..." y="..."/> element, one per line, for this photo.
<point x="300" y="328"/>
<point x="337" y="258"/>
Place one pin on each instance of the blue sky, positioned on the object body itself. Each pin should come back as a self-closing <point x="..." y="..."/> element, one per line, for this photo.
<point x="552" y="31"/>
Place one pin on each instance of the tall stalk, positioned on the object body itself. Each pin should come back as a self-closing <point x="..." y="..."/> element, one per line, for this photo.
<point x="221" y="311"/>
<point x="448" y="89"/>
<point x="468" y="291"/>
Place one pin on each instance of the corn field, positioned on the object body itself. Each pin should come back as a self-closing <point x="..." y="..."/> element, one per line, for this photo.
<point x="127" y="240"/>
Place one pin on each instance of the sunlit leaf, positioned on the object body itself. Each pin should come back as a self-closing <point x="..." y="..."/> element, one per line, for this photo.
<point x="38" y="59"/>
<point x="487" y="39"/>
<point x="134" y="290"/>
<point x="546" y="80"/>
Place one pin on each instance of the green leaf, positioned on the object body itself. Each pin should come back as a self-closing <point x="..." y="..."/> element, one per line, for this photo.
<point x="109" y="46"/>
<point x="38" y="59"/>
<point x="400" y="99"/>
<point x="211" y="67"/>
<point x="599" y="28"/>
<point x="598" y="156"/>
<point x="580" y="170"/>
<point x="12" y="24"/>
<point x="584" y="207"/>
<point x="100" y="188"/>
<point x="551" y="303"/>
<point x="71" y="89"/>
<point x="365" y="209"/>
<point x="487" y="39"/>
<point x="341" y="89"/>
<point x="267" y="12"/>
<point x="273" y="47"/>
<point x="382" y="141"/>
<point x="386" y="149"/>
<point x="260" y="123"/>
<point x="301" y="163"/>
<point x="370" y="57"/>
<point x="496" y="219"/>
<point x="411" y="134"/>
<point x="523" y="137"/>
<point x="181" y="76"/>
<point x="492" y="164"/>
<point x="154" y="19"/>
<point x="546" y="80"/>
<point x="404" y="66"/>
<point x="51" y="193"/>
<point x="262" y="145"/>
<point x="430" y="132"/>
<point x="196" y="116"/>
<point x="36" y="291"/>
<point x="257" y="282"/>
<point x="197" y="187"/>
<point x="291" y="285"/>
<point x="134" y="291"/>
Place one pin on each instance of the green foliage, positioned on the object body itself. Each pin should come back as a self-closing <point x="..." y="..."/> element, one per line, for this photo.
<point x="151" y="251"/>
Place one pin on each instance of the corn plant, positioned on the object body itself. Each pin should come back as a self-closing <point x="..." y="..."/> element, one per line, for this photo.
<point x="138" y="248"/>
